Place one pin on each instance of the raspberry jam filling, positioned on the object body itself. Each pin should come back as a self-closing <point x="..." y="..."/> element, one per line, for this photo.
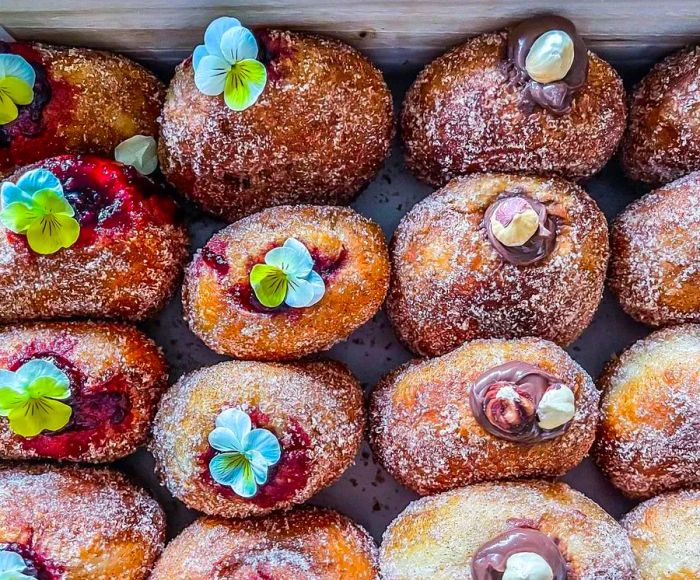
<point x="285" y="478"/>
<point x="213" y="256"/>
<point x="108" y="197"/>
<point x="273" y="49"/>
<point x="29" y="120"/>
<point x="36" y="565"/>
<point x="106" y="407"/>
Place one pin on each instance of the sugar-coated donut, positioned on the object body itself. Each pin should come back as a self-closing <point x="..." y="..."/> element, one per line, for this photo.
<point x="311" y="412"/>
<point x="113" y="377"/>
<point x="477" y="109"/>
<point x="348" y="252"/>
<point x="648" y="435"/>
<point x="454" y="280"/>
<point x="655" y="255"/>
<point x="662" y="142"/>
<point x="451" y="535"/>
<point x="78" y="523"/>
<point x="319" y="132"/>
<point x="125" y="262"/>
<point x="85" y="101"/>
<point x="426" y="432"/>
<point x="304" y="543"/>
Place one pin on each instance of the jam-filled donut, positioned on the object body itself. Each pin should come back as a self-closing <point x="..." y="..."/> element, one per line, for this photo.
<point x="665" y="536"/>
<point x="530" y="99"/>
<point x="247" y="438"/>
<point x="506" y="531"/>
<point x="662" y="142"/>
<point x="72" y="522"/>
<point x="286" y="282"/>
<point x="77" y="391"/>
<point x="655" y="255"/>
<point x="492" y="409"/>
<point x="318" y="132"/>
<point x="303" y="543"/>
<point x="648" y="435"/>
<point x="497" y="256"/>
<point x="84" y="236"/>
<point x="81" y="101"/>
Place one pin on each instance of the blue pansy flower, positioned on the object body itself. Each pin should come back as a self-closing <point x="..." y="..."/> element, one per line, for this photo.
<point x="17" y="79"/>
<point x="226" y="63"/>
<point x="13" y="566"/>
<point x="245" y="455"/>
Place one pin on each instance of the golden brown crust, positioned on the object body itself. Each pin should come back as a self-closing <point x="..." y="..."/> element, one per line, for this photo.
<point x="436" y="537"/>
<point x="462" y="115"/>
<point x="298" y="545"/>
<point x="655" y="265"/>
<point x="314" y="409"/>
<point x="318" y="134"/>
<point x="91" y="524"/>
<point x="348" y="247"/>
<point x="109" y="360"/>
<point x="662" y="142"/>
<point x="98" y="100"/>
<point x="648" y="435"/>
<point x="449" y="284"/>
<point x="665" y="536"/>
<point x="423" y="431"/>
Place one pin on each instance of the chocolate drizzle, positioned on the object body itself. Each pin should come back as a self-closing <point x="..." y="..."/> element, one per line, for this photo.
<point x="539" y="246"/>
<point x="556" y="96"/>
<point x="490" y="560"/>
<point x="508" y="419"/>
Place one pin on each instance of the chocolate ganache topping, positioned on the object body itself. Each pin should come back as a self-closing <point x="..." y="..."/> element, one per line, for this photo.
<point x="520" y="229"/>
<point x="505" y="400"/>
<point x="492" y="559"/>
<point x="555" y="95"/>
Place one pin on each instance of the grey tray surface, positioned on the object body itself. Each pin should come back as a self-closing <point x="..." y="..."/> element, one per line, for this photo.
<point x="366" y="492"/>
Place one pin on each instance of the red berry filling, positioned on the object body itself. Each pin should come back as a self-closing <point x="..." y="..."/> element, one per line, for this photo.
<point x="273" y="49"/>
<point x="37" y="566"/>
<point x="96" y="414"/>
<point x="285" y="478"/>
<point x="108" y="198"/>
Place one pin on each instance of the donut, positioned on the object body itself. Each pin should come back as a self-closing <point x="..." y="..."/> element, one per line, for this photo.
<point x="492" y="409"/>
<point x="124" y="260"/>
<point x="318" y="133"/>
<point x="346" y="258"/>
<point x="662" y="139"/>
<point x="655" y="249"/>
<point x="109" y="378"/>
<point x="301" y="424"/>
<point x="648" y="434"/>
<point x="304" y="543"/>
<point x="497" y="256"/>
<point x="665" y="536"/>
<point x="84" y="101"/>
<point x="76" y="522"/>
<point x="532" y="529"/>
<point x="497" y="103"/>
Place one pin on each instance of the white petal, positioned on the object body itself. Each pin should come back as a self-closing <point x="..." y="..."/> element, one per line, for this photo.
<point x="210" y="76"/>
<point x="300" y="293"/>
<point x="292" y="258"/>
<point x="198" y="54"/>
<point x="266" y="444"/>
<point x="239" y="44"/>
<point x="318" y="285"/>
<point x="236" y="420"/>
<point x="259" y="471"/>
<point x="11" y="562"/>
<point x="215" y="31"/>
<point x="223" y="439"/>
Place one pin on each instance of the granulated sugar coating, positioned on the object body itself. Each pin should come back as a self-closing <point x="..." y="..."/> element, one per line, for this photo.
<point x="436" y="537"/>
<point x="662" y="142"/>
<point x="318" y="134"/>
<point x="303" y="544"/>
<point x="80" y="522"/>
<point x="655" y="265"/>
<point x="648" y="437"/>
<point x="449" y="284"/>
<point x="314" y="409"/>
<point x="464" y="115"/>
<point x="665" y="536"/>
<point x="424" y="433"/>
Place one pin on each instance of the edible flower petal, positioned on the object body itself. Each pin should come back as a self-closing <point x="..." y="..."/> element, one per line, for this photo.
<point x="17" y="79"/>
<point x="31" y="398"/>
<point x="139" y="151"/>
<point x="245" y="455"/>
<point x="12" y="566"/>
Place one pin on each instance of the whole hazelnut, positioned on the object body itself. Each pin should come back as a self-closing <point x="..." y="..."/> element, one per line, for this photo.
<point x="514" y="221"/>
<point x="550" y="58"/>
<point x="508" y="407"/>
